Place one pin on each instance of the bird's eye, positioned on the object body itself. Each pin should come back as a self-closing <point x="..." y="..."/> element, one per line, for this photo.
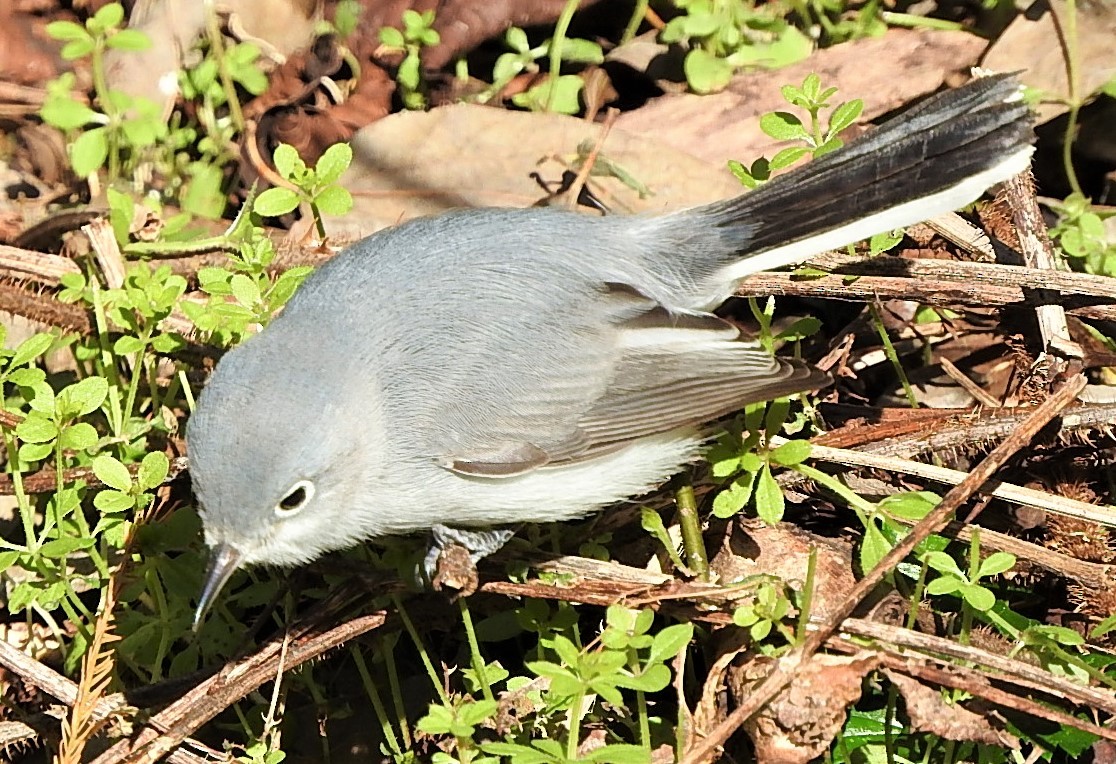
<point x="297" y="498"/>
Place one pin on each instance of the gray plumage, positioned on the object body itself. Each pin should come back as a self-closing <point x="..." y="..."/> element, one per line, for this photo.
<point x="494" y="366"/>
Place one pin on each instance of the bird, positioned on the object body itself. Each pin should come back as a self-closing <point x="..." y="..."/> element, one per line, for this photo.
<point x="461" y="374"/>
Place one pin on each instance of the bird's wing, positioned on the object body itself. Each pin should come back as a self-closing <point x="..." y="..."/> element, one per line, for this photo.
<point x="661" y="370"/>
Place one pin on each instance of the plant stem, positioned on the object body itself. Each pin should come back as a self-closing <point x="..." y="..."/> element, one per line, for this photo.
<point x="854" y="500"/>
<point x="692" y="542"/>
<point x="217" y="45"/>
<point x="641" y="703"/>
<point x="434" y="678"/>
<point x="561" y="27"/>
<point x="377" y="701"/>
<point x="638" y="13"/>
<point x="575" y="725"/>
<point x="892" y="356"/>
<point x="1071" y="88"/>
<point x="474" y="648"/>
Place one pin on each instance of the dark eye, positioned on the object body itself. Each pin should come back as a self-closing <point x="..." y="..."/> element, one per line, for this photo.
<point x="297" y="498"/>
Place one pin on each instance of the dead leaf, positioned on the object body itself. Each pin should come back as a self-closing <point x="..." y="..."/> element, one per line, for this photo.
<point x="751" y="547"/>
<point x="801" y="722"/>
<point x="929" y="712"/>
<point x="725" y="125"/>
<point x="1032" y="45"/>
<point x="421" y="163"/>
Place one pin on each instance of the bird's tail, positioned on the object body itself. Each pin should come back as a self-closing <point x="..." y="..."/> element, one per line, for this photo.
<point x="934" y="158"/>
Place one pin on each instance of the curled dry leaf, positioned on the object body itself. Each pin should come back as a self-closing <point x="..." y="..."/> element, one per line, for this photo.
<point x="802" y="721"/>
<point x="751" y="547"/>
<point x="929" y="712"/>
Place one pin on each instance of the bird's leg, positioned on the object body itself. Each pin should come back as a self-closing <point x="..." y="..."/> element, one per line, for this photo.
<point x="477" y="544"/>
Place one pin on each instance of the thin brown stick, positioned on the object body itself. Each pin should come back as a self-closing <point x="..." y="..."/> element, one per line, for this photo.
<point x="167" y="729"/>
<point x="574" y="191"/>
<point x="934" y="522"/>
<point x="1008" y="669"/>
<point x="1038" y="253"/>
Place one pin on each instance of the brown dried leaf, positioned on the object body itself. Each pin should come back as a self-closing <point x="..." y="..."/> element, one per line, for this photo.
<point x="801" y="722"/>
<point x="1033" y="45"/>
<point x="929" y="712"/>
<point x="422" y="163"/>
<point x="725" y="125"/>
<point x="752" y="547"/>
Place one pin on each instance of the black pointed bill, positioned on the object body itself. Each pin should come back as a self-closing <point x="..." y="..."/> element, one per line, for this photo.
<point x="223" y="562"/>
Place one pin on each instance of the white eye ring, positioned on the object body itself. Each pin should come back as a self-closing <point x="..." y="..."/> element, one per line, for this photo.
<point x="297" y="497"/>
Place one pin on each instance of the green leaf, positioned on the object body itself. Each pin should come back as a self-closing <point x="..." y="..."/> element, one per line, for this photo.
<point x="873" y="547"/>
<point x="516" y="39"/>
<point x="244" y="289"/>
<point x="582" y="51"/>
<point x="735" y="496"/>
<point x="36" y="428"/>
<point x="287" y="161"/>
<point x="911" y="505"/>
<point x="153" y="470"/>
<point x="30" y="349"/>
<point x="89" y="151"/>
<point x="7" y="559"/>
<point x="33" y="452"/>
<point x="652" y="522"/>
<point x="65" y="31"/>
<point x="567" y="651"/>
<point x="783" y="126"/>
<point x="112" y="473"/>
<point x="770" y="503"/>
<point x="62" y="547"/>
<point x="392" y="37"/>
<point x="995" y="564"/>
<point x="844" y="115"/>
<point x="203" y="195"/>
<point x="944" y="585"/>
<point x="78" y="437"/>
<point x="275" y="202"/>
<point x="110" y="501"/>
<point x="652" y="679"/>
<point x="109" y="16"/>
<point x="706" y="73"/>
<point x="670" y="641"/>
<point x="67" y="114"/>
<point x="507" y="66"/>
<point x="127" y="345"/>
<point x="334" y="200"/>
<point x="978" y="597"/>
<point x="333" y="162"/>
<point x="943" y="563"/>
<point x="788" y="156"/>
<point x="76" y="49"/>
<point x="82" y="398"/>
<point x="791" y="453"/>
<point x="129" y="39"/>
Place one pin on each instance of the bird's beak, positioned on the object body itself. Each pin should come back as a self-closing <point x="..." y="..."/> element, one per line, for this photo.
<point x="224" y="559"/>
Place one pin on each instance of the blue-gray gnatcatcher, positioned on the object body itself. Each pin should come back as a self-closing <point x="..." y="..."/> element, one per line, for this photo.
<point x="489" y="367"/>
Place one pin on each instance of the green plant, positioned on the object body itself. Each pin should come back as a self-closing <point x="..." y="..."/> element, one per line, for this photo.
<point x="121" y="127"/>
<point x="769" y="607"/>
<point x="1081" y="235"/>
<point x="417" y="33"/>
<point x="201" y="153"/>
<point x="315" y="186"/>
<point x="725" y="35"/>
<point x="815" y="136"/>
<point x="746" y="457"/>
<point x="557" y="92"/>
